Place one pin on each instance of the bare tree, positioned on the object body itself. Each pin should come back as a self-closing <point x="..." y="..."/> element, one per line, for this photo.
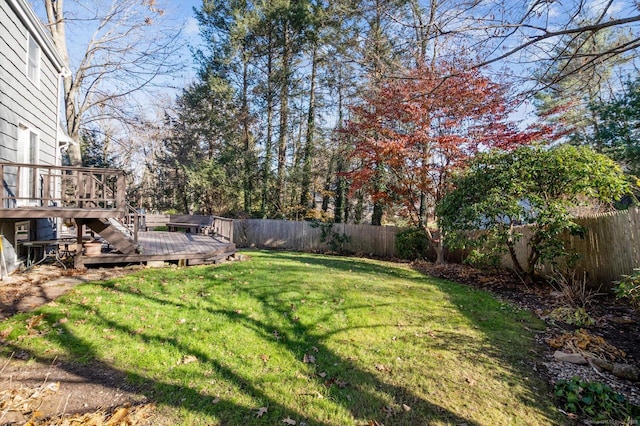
<point x="537" y="35"/>
<point x="128" y="46"/>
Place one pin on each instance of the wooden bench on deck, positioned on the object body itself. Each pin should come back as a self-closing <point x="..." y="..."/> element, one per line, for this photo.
<point x="187" y="226"/>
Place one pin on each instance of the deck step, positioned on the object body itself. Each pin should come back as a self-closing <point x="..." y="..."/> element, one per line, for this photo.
<point x="112" y="235"/>
<point x="219" y="258"/>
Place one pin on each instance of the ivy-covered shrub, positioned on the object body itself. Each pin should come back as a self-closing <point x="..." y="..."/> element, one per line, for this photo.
<point x="413" y="244"/>
<point x="336" y="241"/>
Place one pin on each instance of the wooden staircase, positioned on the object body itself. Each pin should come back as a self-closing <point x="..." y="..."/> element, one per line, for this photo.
<point x="111" y="234"/>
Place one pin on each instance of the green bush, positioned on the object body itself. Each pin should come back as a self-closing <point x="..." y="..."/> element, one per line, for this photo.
<point x="413" y="244"/>
<point x="629" y="288"/>
<point x="594" y="400"/>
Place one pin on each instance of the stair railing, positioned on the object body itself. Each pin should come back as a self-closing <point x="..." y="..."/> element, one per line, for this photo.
<point x="130" y="221"/>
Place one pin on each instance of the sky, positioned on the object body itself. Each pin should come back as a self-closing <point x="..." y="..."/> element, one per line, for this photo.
<point x="181" y="14"/>
<point x="178" y="13"/>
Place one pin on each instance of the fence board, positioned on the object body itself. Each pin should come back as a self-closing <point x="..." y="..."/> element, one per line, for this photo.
<point x="608" y="251"/>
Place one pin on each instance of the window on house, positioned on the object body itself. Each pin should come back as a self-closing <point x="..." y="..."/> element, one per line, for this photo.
<point x="28" y="148"/>
<point x="33" y="61"/>
<point x="33" y="148"/>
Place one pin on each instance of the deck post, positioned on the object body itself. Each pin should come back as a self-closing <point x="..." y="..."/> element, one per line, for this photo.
<point x="78" y="262"/>
<point x="120" y="191"/>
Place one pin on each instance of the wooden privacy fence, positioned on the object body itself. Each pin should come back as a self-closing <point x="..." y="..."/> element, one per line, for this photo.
<point x="302" y="236"/>
<point x="610" y="249"/>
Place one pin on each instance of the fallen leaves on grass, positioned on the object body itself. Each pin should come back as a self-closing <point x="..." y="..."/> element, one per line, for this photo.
<point x="309" y="359"/>
<point x="4" y="334"/>
<point x="261" y="412"/>
<point x="34" y="321"/>
<point x="289" y="421"/>
<point x="188" y="359"/>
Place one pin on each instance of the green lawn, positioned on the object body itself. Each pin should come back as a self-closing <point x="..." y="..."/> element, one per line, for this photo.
<point x="316" y="339"/>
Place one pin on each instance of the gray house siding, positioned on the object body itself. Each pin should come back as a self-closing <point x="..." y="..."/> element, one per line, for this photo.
<point x="24" y="104"/>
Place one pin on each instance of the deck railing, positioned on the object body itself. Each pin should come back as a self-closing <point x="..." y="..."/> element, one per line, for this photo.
<point x="223" y="227"/>
<point x="61" y="186"/>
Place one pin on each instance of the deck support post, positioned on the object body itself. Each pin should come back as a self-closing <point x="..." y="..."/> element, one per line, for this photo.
<point x="78" y="263"/>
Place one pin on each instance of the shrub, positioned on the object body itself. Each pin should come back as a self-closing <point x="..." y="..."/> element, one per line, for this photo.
<point x="594" y="400"/>
<point x="572" y="315"/>
<point x="413" y="244"/>
<point x="538" y="187"/>
<point x="629" y="288"/>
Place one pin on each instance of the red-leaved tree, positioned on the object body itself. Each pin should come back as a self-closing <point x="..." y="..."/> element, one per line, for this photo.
<point x="409" y="134"/>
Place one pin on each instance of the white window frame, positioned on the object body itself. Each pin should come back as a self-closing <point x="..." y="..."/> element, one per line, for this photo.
<point x="28" y="152"/>
<point x="34" y="53"/>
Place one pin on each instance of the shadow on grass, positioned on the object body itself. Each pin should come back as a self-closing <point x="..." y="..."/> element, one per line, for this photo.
<point x="298" y="339"/>
<point x="499" y="341"/>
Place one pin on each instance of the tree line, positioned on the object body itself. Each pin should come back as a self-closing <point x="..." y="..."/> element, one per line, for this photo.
<point x="300" y="108"/>
<point x="345" y="110"/>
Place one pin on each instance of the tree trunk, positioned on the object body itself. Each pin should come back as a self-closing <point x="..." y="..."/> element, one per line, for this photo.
<point x="327" y="186"/>
<point x="309" y="144"/>
<point x="378" y="212"/>
<point x="378" y="207"/>
<point x="284" y="123"/>
<point x="340" y="210"/>
<point x="266" y="167"/>
<point x="55" y="18"/>
<point x="436" y="243"/>
<point x="422" y="210"/>
<point x="339" y="206"/>
<point x="246" y="135"/>
<point x="359" y="208"/>
<point x="517" y="266"/>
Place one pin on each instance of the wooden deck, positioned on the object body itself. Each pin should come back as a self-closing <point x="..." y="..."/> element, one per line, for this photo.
<point x="192" y="249"/>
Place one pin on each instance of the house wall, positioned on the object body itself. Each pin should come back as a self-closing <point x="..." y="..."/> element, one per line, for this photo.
<point x="24" y="103"/>
<point x="21" y="101"/>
